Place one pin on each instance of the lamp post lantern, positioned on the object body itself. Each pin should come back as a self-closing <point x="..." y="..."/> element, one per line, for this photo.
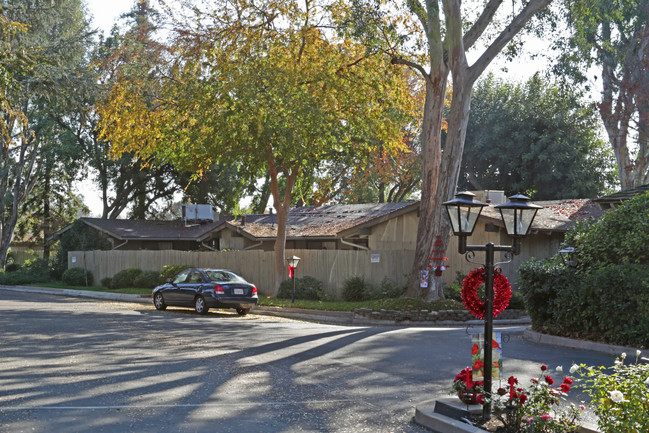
<point x="517" y="216"/>
<point x="568" y="256"/>
<point x="292" y="265"/>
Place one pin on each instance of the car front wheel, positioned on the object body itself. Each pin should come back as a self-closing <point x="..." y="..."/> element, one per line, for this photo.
<point x="159" y="302"/>
<point x="199" y="305"/>
<point x="242" y="311"/>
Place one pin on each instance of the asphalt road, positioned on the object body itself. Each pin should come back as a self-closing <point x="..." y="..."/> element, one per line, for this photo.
<point x="76" y="365"/>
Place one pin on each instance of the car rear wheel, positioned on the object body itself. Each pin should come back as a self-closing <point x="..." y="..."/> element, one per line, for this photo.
<point x="159" y="302"/>
<point x="243" y="311"/>
<point x="199" y="305"/>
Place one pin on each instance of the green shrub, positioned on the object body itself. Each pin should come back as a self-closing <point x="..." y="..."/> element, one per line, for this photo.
<point x="33" y="271"/>
<point x="354" y="289"/>
<point x="12" y="267"/>
<point x="125" y="278"/>
<point x="305" y="288"/>
<point x="107" y="282"/>
<point x="170" y="271"/>
<point x="611" y="280"/>
<point x="576" y="303"/>
<point x="539" y="284"/>
<point x="620" y="236"/>
<point x="386" y="290"/>
<point x="454" y="291"/>
<point x="517" y="301"/>
<point x="77" y="277"/>
<point x="147" y="280"/>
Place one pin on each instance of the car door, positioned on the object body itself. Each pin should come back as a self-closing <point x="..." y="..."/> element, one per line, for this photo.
<point x="191" y="286"/>
<point x="172" y="294"/>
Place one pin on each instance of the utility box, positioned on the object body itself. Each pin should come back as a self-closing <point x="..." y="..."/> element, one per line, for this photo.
<point x="198" y="213"/>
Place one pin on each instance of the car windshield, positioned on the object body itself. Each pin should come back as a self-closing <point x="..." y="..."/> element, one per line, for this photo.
<point x="223" y="276"/>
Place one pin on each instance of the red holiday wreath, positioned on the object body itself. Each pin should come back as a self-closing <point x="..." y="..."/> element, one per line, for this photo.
<point x="473" y="303"/>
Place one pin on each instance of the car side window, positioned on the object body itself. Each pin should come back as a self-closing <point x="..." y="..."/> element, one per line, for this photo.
<point x="181" y="277"/>
<point x="195" y="277"/>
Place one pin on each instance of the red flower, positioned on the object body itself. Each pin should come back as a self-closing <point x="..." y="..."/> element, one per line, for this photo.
<point x="501" y="391"/>
<point x="475" y="349"/>
<point x="478" y="364"/>
<point x="480" y="399"/>
<point x="549" y="380"/>
<point x="565" y="387"/>
<point x="567" y="380"/>
<point x="522" y="398"/>
<point x="512" y="380"/>
<point x="544" y="367"/>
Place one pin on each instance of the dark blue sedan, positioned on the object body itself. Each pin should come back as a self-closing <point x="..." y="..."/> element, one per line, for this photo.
<point x="203" y="289"/>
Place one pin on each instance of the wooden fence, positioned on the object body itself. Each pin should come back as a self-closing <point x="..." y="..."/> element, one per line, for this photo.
<point x="332" y="267"/>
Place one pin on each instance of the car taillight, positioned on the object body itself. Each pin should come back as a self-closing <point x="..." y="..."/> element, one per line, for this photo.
<point x="254" y="290"/>
<point x="219" y="290"/>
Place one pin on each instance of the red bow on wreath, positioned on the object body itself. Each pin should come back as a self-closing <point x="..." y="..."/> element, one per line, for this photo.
<point x="473" y="303"/>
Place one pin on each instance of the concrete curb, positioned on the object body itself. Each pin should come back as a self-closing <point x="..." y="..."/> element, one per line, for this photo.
<point x="553" y="340"/>
<point x="427" y="416"/>
<point x="107" y="296"/>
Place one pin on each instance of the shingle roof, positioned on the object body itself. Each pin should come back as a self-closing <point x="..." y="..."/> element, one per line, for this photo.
<point x="321" y="221"/>
<point x="556" y="215"/>
<point x="620" y="196"/>
<point x="326" y="222"/>
<point x="152" y="230"/>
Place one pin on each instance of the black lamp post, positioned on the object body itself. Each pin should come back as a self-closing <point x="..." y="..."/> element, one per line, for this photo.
<point x="568" y="257"/>
<point x="517" y="215"/>
<point x="292" y="264"/>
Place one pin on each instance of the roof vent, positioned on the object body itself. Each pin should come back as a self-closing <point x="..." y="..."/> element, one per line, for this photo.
<point x="198" y="213"/>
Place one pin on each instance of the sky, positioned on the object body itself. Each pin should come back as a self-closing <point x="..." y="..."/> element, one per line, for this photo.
<point x="106" y="12"/>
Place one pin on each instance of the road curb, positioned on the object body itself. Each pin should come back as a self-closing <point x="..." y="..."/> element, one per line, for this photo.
<point x="106" y="296"/>
<point x="553" y="340"/>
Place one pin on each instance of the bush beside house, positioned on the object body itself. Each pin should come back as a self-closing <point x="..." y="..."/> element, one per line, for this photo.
<point x="610" y="282"/>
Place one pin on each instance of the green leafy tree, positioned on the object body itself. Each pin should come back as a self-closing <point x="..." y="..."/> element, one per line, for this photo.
<point x="534" y="138"/>
<point x="54" y="37"/>
<point x="268" y="86"/>
<point x="613" y="37"/>
<point x="433" y="38"/>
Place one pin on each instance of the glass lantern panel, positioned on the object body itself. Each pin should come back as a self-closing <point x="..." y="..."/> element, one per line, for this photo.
<point x="471" y="218"/>
<point x="526" y="216"/>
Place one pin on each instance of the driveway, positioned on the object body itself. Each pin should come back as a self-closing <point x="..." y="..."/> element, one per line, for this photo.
<point x="74" y="365"/>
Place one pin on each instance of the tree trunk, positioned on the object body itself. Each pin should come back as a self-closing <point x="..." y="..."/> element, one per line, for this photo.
<point x="283" y="208"/>
<point x="47" y="213"/>
<point x="440" y="175"/>
<point x="431" y="155"/>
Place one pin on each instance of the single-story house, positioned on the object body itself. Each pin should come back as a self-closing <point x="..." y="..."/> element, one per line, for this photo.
<point x="153" y="235"/>
<point x="373" y="226"/>
<point x="613" y="200"/>
<point x="383" y="234"/>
